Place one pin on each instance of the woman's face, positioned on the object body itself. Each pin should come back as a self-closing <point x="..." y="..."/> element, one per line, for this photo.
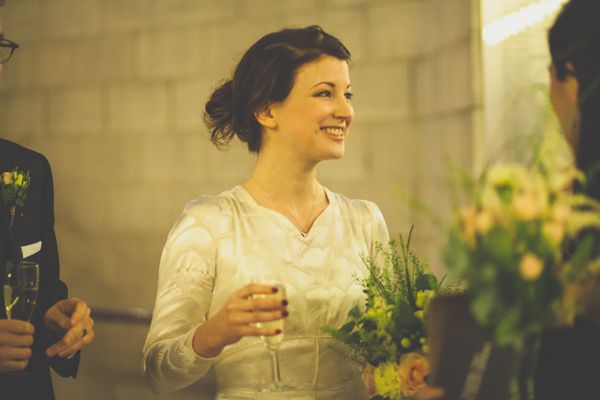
<point x="314" y="120"/>
<point x="563" y="96"/>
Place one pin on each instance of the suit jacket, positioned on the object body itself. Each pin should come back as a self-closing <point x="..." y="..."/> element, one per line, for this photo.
<point x="34" y="223"/>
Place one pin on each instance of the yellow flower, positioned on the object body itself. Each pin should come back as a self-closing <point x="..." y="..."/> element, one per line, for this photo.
<point x="484" y="221"/>
<point x="503" y="175"/>
<point x="386" y="380"/>
<point x="527" y="206"/>
<point x="7" y="178"/>
<point x="19" y="181"/>
<point x="422" y="297"/>
<point x="530" y="267"/>
<point x="411" y="372"/>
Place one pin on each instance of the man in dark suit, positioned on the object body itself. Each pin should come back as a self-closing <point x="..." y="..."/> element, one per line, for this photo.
<point x="60" y="326"/>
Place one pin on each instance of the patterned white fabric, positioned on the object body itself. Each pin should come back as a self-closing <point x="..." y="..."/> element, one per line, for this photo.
<point x="215" y="247"/>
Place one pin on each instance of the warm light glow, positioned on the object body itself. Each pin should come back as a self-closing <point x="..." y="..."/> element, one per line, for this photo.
<point x="515" y="22"/>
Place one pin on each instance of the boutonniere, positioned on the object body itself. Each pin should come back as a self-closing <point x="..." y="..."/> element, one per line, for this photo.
<point x="14" y="185"/>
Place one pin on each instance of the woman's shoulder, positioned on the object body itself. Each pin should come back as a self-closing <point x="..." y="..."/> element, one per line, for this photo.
<point x="205" y="212"/>
<point x="352" y="205"/>
<point x="212" y="203"/>
<point x="364" y="213"/>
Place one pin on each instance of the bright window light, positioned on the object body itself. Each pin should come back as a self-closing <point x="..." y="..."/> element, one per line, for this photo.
<point x="501" y="29"/>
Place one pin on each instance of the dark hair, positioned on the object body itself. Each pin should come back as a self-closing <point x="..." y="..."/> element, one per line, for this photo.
<point x="265" y="75"/>
<point x="575" y="38"/>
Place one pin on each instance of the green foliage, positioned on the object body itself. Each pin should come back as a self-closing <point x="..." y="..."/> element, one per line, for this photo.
<point x="398" y="290"/>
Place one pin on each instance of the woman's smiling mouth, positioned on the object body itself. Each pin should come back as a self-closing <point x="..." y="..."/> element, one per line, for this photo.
<point x="333" y="130"/>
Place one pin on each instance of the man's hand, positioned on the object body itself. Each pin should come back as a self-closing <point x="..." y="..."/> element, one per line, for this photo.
<point x="15" y="339"/>
<point x="70" y="325"/>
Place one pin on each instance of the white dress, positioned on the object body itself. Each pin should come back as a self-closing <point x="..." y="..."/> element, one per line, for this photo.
<point x="215" y="247"/>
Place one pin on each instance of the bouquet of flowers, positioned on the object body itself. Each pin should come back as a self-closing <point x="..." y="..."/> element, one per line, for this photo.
<point x="389" y="338"/>
<point x="523" y="247"/>
<point x="14" y="185"/>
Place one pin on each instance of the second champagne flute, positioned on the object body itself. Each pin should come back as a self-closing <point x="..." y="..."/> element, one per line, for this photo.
<point x="20" y="293"/>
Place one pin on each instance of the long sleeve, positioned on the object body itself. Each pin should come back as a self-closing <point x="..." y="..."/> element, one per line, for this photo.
<point x="52" y="289"/>
<point x="185" y="285"/>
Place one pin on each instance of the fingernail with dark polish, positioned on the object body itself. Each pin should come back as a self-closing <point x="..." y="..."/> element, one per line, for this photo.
<point x="277" y="331"/>
<point x="284" y="303"/>
<point x="284" y="313"/>
<point x="275" y="290"/>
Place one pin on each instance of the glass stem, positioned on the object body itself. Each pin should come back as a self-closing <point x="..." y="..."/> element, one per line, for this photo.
<point x="275" y="376"/>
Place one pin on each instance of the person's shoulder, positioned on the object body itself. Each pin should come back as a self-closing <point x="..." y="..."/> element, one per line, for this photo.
<point x="202" y="205"/>
<point x="17" y="151"/>
<point x="209" y="204"/>
<point x="357" y="205"/>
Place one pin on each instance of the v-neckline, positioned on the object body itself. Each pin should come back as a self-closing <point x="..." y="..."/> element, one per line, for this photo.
<point x="246" y="194"/>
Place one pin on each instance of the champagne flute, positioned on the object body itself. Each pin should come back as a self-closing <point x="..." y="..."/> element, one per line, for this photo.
<point x="20" y="292"/>
<point x="272" y="342"/>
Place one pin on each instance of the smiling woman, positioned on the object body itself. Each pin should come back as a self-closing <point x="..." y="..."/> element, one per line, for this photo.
<point x="289" y="100"/>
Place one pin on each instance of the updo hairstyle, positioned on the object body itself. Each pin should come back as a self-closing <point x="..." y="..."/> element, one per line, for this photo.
<point x="265" y="75"/>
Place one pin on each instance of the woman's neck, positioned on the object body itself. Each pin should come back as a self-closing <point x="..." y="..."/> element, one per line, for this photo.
<point x="289" y="186"/>
<point x="287" y="180"/>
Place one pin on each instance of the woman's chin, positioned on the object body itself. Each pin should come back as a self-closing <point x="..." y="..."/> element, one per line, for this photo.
<point x="336" y="155"/>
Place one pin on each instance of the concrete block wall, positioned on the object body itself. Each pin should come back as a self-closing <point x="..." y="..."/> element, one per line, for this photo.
<point x="112" y="91"/>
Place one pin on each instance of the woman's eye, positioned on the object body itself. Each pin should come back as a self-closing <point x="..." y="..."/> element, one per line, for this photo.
<point x="349" y="96"/>
<point x="324" y="93"/>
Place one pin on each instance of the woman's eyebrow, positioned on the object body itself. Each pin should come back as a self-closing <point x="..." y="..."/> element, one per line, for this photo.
<point x="329" y="84"/>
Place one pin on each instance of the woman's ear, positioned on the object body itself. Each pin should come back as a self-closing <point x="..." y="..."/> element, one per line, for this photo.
<point x="265" y="117"/>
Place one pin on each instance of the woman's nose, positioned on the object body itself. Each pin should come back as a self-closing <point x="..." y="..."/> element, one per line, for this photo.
<point x="344" y="109"/>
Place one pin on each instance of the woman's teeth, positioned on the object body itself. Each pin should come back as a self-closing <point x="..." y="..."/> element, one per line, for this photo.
<point x="333" y="131"/>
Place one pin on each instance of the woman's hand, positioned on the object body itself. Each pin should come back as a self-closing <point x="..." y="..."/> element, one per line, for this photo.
<point x="16" y="338"/>
<point x="237" y="318"/>
<point x="69" y="324"/>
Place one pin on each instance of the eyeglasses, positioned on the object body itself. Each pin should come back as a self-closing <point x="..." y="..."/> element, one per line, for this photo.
<point x="7" y="48"/>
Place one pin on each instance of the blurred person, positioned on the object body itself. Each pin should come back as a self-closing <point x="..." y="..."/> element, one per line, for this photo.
<point x="568" y="361"/>
<point x="568" y="365"/>
<point x="60" y="326"/>
<point x="289" y="100"/>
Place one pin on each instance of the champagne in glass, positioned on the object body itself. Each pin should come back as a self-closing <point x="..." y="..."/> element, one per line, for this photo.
<point x="20" y="291"/>
<point x="272" y="342"/>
